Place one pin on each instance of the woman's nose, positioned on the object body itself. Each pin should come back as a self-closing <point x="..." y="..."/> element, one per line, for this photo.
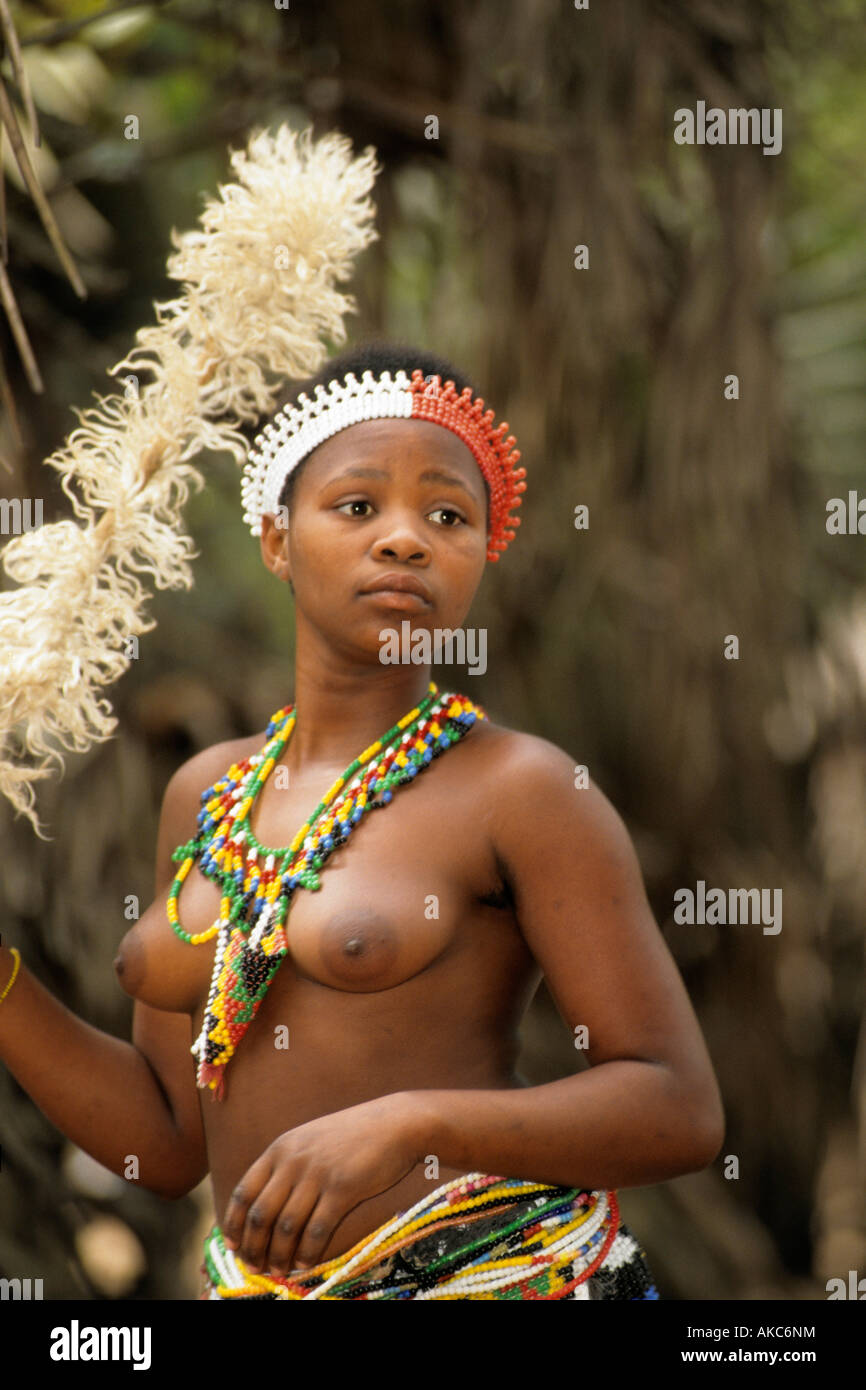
<point x="402" y="542"/>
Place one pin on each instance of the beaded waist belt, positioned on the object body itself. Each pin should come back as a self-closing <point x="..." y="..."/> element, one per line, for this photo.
<point x="476" y="1237"/>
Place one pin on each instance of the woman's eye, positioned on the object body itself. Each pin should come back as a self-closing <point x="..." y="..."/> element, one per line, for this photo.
<point x="449" y="511"/>
<point x="358" y="502"/>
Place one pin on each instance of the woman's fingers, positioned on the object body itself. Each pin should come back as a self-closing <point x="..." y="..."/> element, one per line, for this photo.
<point x="290" y="1226"/>
<point x="320" y="1227"/>
<point x="245" y="1214"/>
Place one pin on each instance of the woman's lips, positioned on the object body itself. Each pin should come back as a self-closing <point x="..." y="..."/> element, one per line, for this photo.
<point x="397" y="598"/>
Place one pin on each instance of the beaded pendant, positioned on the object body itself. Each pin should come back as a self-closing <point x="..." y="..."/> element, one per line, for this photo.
<point x="257" y="882"/>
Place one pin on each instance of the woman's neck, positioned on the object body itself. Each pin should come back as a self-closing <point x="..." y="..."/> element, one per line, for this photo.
<point x="341" y="712"/>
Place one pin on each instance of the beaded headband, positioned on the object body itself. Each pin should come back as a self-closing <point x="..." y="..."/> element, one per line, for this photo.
<point x="295" y="431"/>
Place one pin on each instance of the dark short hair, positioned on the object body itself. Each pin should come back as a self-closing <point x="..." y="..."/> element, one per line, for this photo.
<point x="376" y="355"/>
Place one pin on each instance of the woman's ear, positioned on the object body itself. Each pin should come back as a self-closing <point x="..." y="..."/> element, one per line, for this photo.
<point x="274" y="542"/>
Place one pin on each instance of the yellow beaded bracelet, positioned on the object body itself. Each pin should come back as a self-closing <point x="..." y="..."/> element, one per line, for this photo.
<point x="17" y="954"/>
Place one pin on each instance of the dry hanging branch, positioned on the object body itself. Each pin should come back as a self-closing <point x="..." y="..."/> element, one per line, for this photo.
<point x="9" y="123"/>
<point x="18" y="71"/>
<point x="43" y="207"/>
<point x="19" y="332"/>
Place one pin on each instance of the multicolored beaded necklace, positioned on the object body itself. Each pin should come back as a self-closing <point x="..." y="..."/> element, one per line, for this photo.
<point x="258" y="882"/>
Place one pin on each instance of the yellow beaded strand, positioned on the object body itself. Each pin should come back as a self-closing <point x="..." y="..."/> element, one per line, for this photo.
<point x="17" y="954"/>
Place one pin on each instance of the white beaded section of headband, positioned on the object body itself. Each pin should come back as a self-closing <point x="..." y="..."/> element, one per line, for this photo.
<point x="296" y="430"/>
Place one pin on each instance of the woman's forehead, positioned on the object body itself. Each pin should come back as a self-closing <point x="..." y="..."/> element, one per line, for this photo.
<point x="395" y="444"/>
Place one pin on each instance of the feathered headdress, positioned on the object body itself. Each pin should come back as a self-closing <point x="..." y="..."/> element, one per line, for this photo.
<point x="259" y="296"/>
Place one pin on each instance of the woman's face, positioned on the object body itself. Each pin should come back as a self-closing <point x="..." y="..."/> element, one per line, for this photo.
<point x="382" y="498"/>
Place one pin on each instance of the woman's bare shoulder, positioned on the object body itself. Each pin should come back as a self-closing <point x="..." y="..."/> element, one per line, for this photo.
<point x="182" y="798"/>
<point x="210" y="764"/>
<point x="517" y="747"/>
<point x="521" y="768"/>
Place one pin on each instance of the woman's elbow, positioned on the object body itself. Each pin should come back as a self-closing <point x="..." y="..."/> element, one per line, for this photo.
<point x="173" y="1180"/>
<point x="705" y="1131"/>
<point x="696" y="1124"/>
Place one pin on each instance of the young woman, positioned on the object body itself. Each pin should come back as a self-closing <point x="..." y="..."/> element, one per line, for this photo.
<point x="352" y="984"/>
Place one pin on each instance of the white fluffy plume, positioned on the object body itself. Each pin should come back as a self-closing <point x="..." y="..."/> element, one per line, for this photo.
<point x="260" y="293"/>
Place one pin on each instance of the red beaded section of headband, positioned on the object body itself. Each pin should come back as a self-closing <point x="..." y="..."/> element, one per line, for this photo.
<point x="495" y="455"/>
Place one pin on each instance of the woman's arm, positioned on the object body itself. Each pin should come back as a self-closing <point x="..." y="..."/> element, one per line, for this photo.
<point x="620" y="1124"/>
<point x="114" y="1099"/>
<point x="648" y="1108"/>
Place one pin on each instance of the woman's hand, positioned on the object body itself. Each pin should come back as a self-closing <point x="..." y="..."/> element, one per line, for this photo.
<point x="286" y="1207"/>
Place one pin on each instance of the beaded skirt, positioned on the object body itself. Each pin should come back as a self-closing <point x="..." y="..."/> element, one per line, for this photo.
<point x="477" y="1237"/>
